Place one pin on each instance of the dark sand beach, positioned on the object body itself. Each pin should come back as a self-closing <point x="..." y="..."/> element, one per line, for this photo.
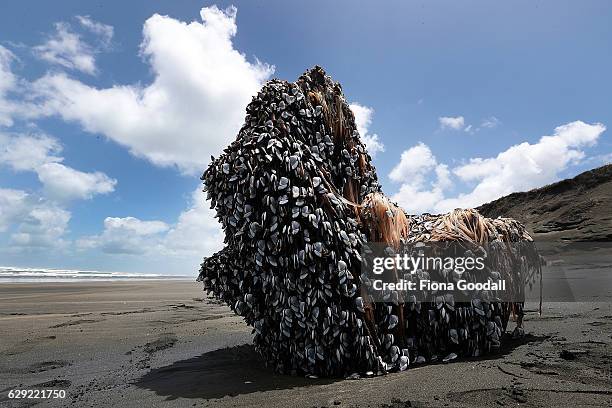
<point x="163" y="343"/>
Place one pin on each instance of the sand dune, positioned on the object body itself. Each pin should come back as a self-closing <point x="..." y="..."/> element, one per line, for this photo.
<point x="572" y="210"/>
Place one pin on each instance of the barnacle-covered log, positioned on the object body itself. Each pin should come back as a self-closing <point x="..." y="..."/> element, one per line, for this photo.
<point x="297" y="196"/>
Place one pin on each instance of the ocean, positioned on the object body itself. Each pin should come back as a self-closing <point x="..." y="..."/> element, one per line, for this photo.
<point x="9" y="274"/>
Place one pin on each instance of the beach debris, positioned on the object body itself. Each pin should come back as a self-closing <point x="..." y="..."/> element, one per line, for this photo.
<point x="449" y="358"/>
<point x="298" y="196"/>
<point x="571" y="354"/>
<point x="567" y="355"/>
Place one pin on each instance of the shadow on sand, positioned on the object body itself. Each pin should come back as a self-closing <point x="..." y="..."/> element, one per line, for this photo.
<point x="240" y="370"/>
<point x="216" y="374"/>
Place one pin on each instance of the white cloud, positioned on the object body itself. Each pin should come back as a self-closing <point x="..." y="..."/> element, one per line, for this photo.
<point x="363" y="120"/>
<point x="7" y="78"/>
<point x="38" y="153"/>
<point x="103" y="31"/>
<point x="35" y="223"/>
<point x="490" y="122"/>
<point x="197" y="232"/>
<point x="66" y="48"/>
<point x="519" y="168"/>
<point x="64" y="183"/>
<point x="193" y="108"/>
<point x="13" y="204"/>
<point x="8" y="81"/>
<point x="127" y="235"/>
<point x="416" y="200"/>
<point x="524" y="166"/>
<point x="450" y="122"/>
<point x="414" y="162"/>
<point x="28" y="152"/>
<point x="15" y="93"/>
<point x="414" y="195"/>
<point x="458" y="123"/>
<point x="134" y="225"/>
<point x="443" y="177"/>
<point x="43" y="227"/>
<point x="41" y="222"/>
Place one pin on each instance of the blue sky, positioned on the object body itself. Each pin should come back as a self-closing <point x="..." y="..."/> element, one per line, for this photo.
<point x="115" y="119"/>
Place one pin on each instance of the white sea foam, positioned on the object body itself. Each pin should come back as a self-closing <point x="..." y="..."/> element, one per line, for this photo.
<point x="16" y="274"/>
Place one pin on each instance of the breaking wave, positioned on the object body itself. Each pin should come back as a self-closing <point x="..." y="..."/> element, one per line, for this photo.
<point x="15" y="274"/>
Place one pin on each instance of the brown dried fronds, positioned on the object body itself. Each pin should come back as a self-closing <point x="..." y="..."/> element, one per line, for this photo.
<point x="384" y="220"/>
<point x="339" y="123"/>
<point x="461" y="225"/>
<point x="468" y="225"/>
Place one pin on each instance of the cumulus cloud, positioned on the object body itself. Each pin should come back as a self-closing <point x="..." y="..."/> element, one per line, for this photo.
<point x="192" y="109"/>
<point x="134" y="225"/>
<point x="13" y="204"/>
<point x="127" y="235"/>
<point x="43" y="227"/>
<point x="41" y="221"/>
<point x="363" y="120"/>
<point x="519" y="168"/>
<point x="524" y="166"/>
<point x="34" y="223"/>
<point x="64" y="183"/>
<point x="414" y="162"/>
<point x="28" y="152"/>
<point x="40" y="154"/>
<point x="414" y="194"/>
<point x="450" y="122"/>
<point x="196" y="233"/>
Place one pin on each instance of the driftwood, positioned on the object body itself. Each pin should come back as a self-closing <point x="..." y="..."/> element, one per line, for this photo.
<point x="298" y="197"/>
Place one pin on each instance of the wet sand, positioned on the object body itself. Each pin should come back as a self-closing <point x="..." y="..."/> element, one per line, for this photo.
<point x="163" y="343"/>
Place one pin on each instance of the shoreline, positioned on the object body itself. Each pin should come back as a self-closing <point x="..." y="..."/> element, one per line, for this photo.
<point x="89" y="280"/>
